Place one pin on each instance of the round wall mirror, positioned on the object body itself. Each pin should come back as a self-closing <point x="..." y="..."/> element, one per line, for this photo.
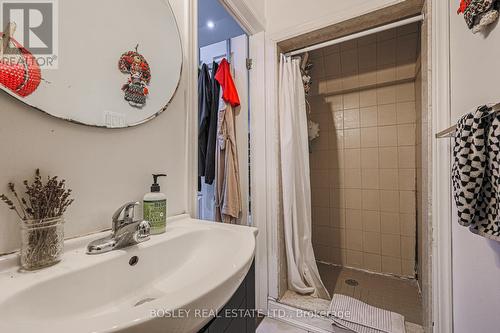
<point x="112" y="64"/>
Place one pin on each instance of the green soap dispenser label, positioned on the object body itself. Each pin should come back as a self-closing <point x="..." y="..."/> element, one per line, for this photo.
<point x="155" y="212"/>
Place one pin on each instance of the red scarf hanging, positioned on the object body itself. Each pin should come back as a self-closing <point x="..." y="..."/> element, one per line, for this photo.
<point x="223" y="76"/>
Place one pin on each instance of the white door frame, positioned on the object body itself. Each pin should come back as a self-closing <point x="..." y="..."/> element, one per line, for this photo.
<point x="441" y="280"/>
<point x="441" y="275"/>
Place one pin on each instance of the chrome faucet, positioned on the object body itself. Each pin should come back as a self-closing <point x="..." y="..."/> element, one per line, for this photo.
<point x="125" y="231"/>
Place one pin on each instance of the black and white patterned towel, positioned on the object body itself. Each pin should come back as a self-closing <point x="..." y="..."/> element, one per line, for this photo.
<point x="475" y="172"/>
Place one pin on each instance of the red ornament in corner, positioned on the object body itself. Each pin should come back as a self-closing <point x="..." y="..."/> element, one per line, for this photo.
<point x="19" y="72"/>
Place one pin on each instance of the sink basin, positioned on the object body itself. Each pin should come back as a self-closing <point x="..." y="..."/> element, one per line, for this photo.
<point x="174" y="282"/>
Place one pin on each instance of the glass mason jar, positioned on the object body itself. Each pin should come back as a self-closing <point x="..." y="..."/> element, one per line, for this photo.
<point x="42" y="242"/>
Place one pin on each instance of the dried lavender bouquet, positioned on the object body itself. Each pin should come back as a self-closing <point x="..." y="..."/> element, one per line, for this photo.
<point x="41" y="212"/>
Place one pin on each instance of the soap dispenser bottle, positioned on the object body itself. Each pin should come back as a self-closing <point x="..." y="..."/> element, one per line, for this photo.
<point x="155" y="207"/>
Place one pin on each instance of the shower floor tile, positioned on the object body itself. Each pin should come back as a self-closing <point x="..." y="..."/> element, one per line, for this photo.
<point x="390" y="293"/>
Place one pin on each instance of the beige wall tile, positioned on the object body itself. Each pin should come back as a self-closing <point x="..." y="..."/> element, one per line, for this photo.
<point x="322" y="252"/>
<point x="319" y="179"/>
<point x="331" y="49"/>
<point x="406" y="135"/>
<point x="386" y="34"/>
<point x="353" y="198"/>
<point x="408" y="224"/>
<point x="405" y="71"/>
<point x="363" y="166"/>
<point x="387" y="114"/>
<point x="391" y="265"/>
<point x="389" y="179"/>
<point x="389" y="223"/>
<point x="371" y="199"/>
<point x="351" y="118"/>
<point x="405" y="92"/>
<point x="335" y="102"/>
<point x="388" y="136"/>
<point x="348" y="45"/>
<point x="354" y="259"/>
<point x="406" y="112"/>
<point x="354" y="239"/>
<point x="407" y="202"/>
<point x="337" y="198"/>
<point x="332" y="66"/>
<point x="321" y="197"/>
<point x="386" y="95"/>
<point x="353" y="219"/>
<point x="351" y="101"/>
<point x="349" y="61"/>
<point x="352" y="158"/>
<point x="350" y="81"/>
<point x="331" y="85"/>
<point x="321" y="216"/>
<point x="337" y="217"/>
<point x="372" y="242"/>
<point x="352" y="178"/>
<point x="322" y="235"/>
<point x="337" y="178"/>
<point x="368" y="98"/>
<point x="389" y="201"/>
<point x="388" y="157"/>
<point x="386" y="53"/>
<point x="367" y="57"/>
<point x="371" y="220"/>
<point x="408" y="267"/>
<point x="338" y="238"/>
<point x="366" y="40"/>
<point x="369" y="137"/>
<point x="335" y="139"/>
<point x="406" y="157"/>
<point x="370" y="158"/>
<point x="352" y="138"/>
<point x="407" y="48"/>
<point x="368" y="78"/>
<point x="368" y="116"/>
<point x="386" y="75"/>
<point x="338" y="256"/>
<point x="391" y="245"/>
<point x="407" y="179"/>
<point x="370" y="179"/>
<point x="372" y="262"/>
<point x="408" y="247"/>
<point x="407" y="29"/>
<point x="337" y="121"/>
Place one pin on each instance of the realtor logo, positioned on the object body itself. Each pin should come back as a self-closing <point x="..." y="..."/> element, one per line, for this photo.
<point x="36" y="28"/>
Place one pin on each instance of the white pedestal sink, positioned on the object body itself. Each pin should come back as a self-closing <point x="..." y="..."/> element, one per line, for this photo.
<point x="179" y="280"/>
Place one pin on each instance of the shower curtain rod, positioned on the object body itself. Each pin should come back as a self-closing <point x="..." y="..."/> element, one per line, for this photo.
<point x="357" y="35"/>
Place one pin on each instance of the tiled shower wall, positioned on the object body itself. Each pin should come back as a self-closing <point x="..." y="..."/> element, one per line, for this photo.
<point x="363" y="167"/>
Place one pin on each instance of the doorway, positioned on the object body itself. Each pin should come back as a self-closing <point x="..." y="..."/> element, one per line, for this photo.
<point x="369" y="171"/>
<point x="220" y="37"/>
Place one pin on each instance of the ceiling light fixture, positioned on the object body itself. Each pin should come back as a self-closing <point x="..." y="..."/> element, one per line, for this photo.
<point x="210" y="24"/>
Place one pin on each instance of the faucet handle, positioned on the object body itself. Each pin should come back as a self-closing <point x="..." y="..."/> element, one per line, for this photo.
<point x="127" y="212"/>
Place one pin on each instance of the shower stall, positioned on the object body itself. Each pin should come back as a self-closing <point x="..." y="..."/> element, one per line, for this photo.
<point x="368" y="170"/>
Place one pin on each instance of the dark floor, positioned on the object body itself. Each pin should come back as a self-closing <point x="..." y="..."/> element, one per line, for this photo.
<point x="390" y="293"/>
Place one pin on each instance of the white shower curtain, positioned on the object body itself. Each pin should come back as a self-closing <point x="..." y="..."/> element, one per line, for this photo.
<point x="303" y="275"/>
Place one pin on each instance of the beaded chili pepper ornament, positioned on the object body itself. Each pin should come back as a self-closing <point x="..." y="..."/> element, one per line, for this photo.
<point x="135" y="89"/>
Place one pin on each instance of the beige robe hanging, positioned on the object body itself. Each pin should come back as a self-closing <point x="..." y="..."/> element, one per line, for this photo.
<point x="227" y="178"/>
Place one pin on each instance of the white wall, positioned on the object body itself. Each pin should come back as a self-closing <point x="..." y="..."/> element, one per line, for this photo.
<point x="105" y="168"/>
<point x="314" y="14"/>
<point x="475" y="78"/>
